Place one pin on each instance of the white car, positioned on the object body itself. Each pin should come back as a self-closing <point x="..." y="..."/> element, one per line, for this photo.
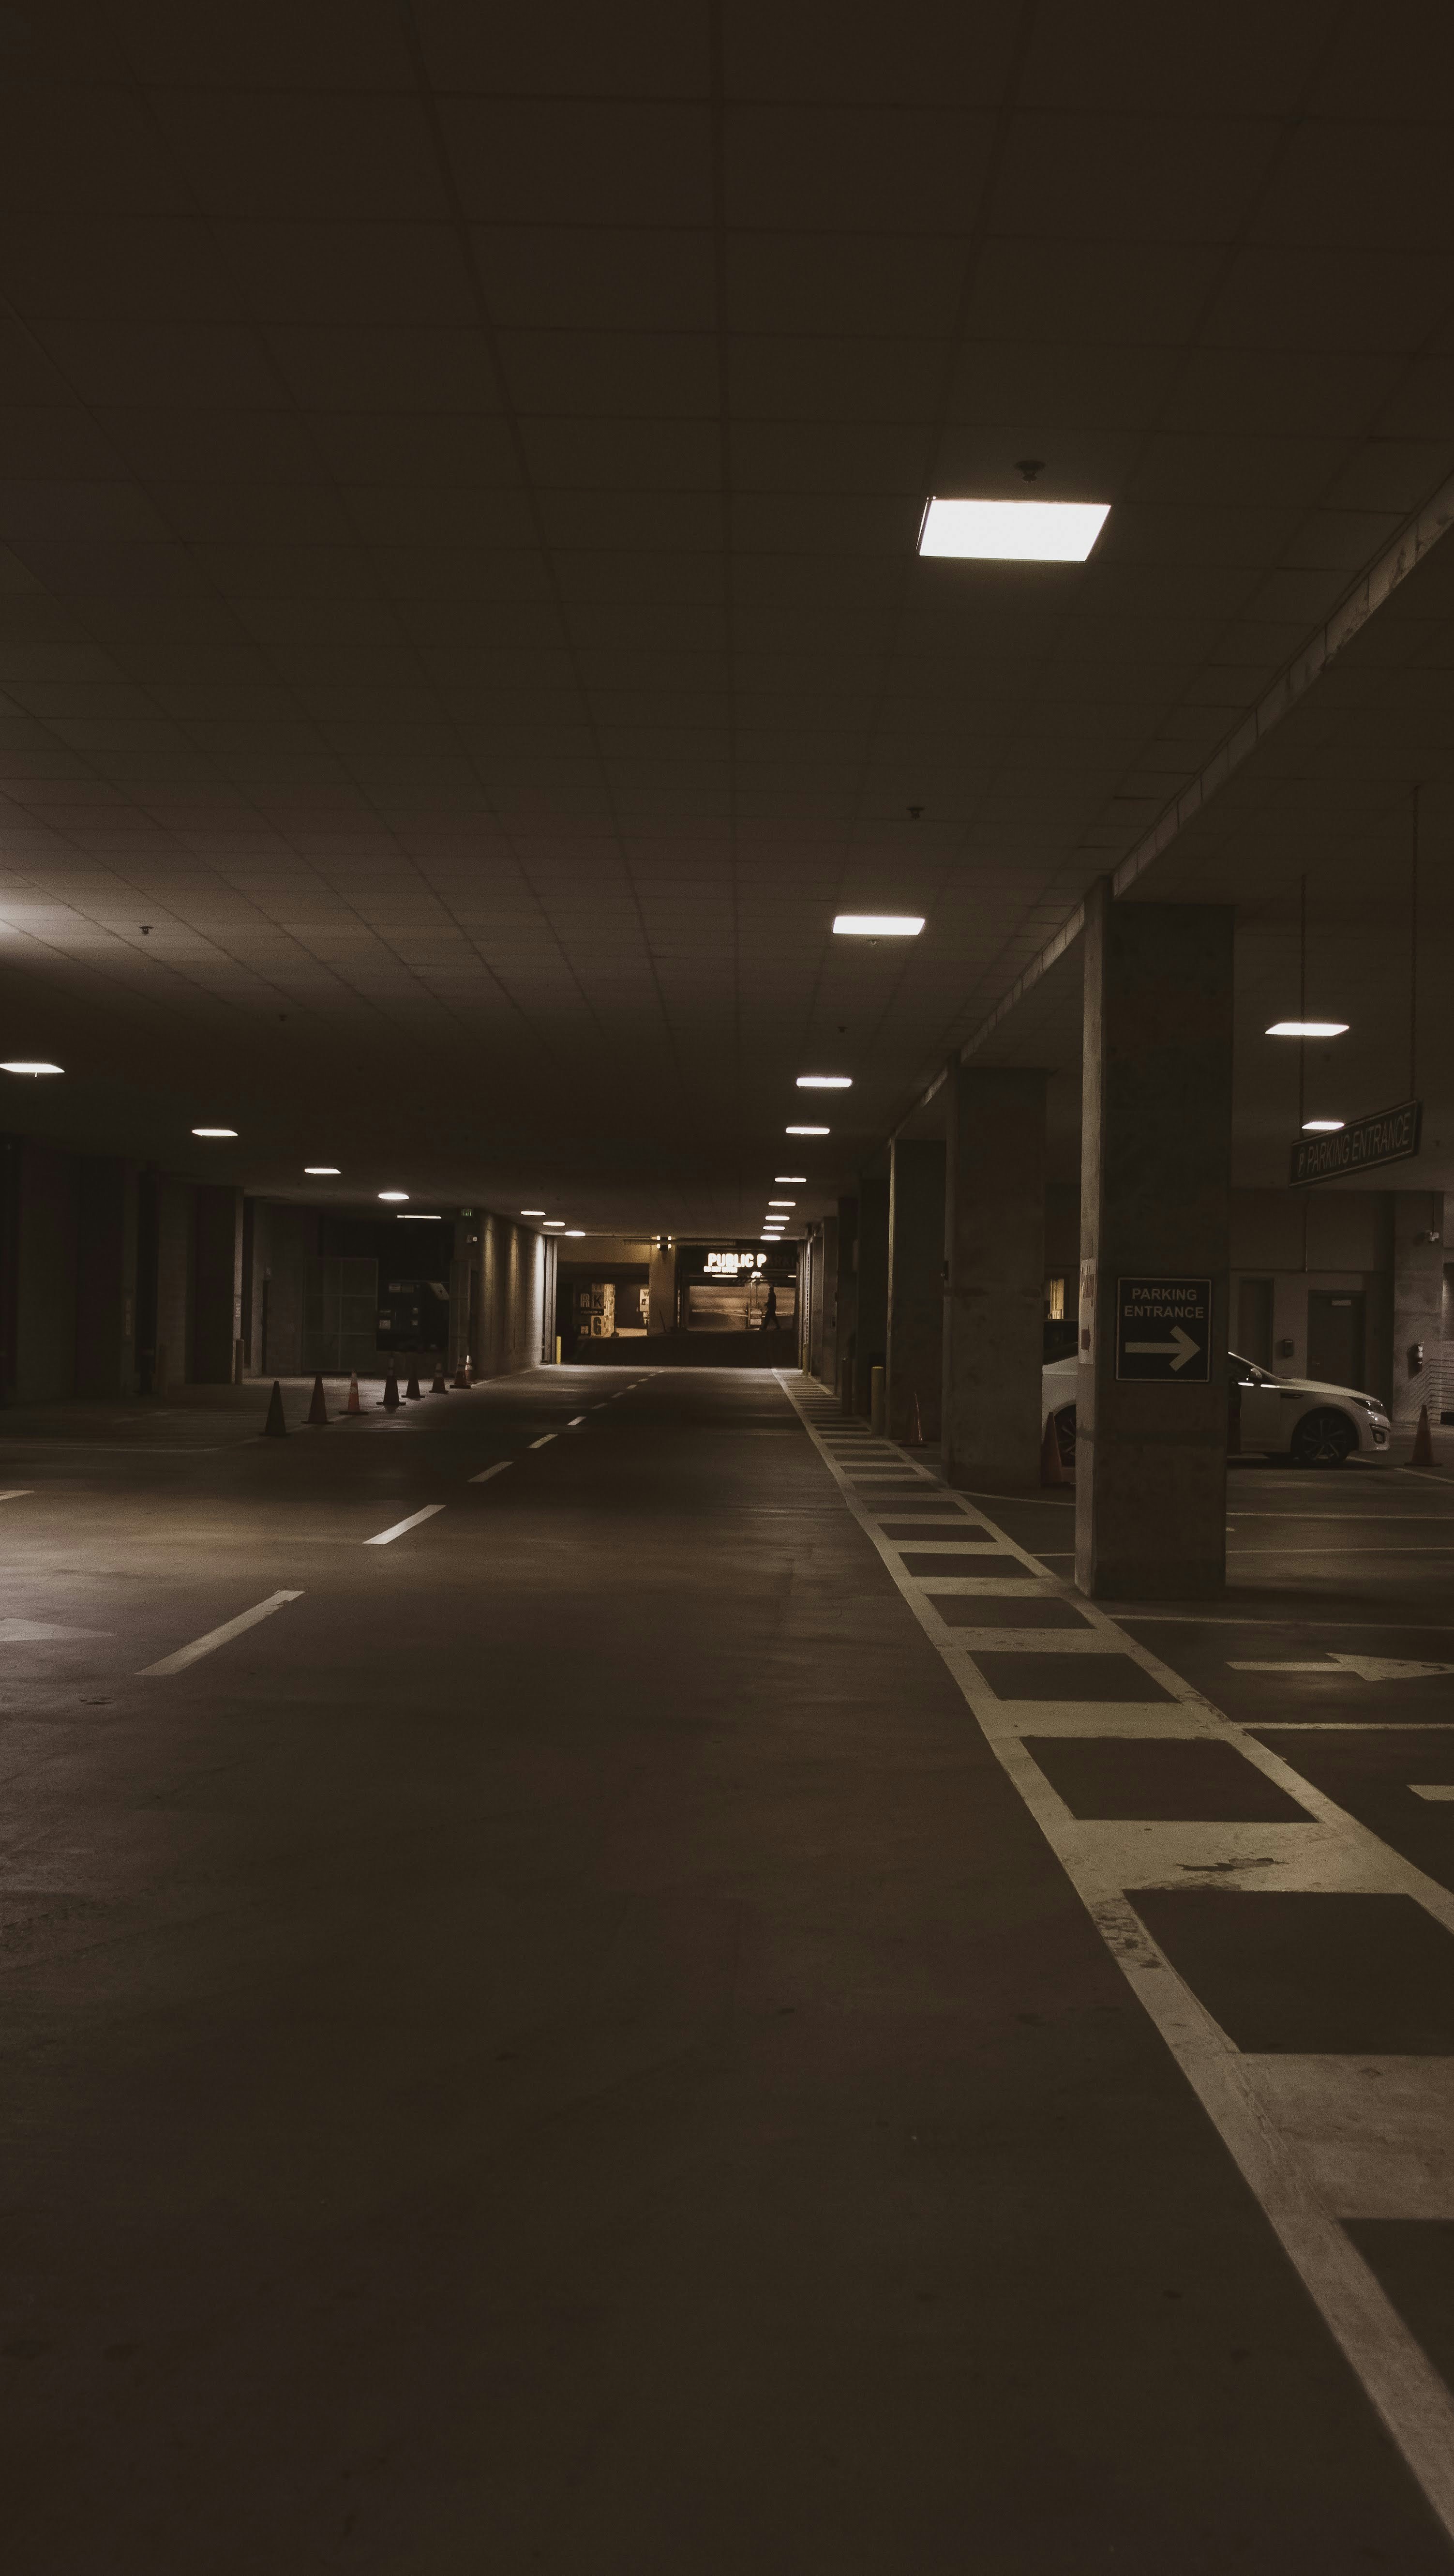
<point x="1297" y="1417"/>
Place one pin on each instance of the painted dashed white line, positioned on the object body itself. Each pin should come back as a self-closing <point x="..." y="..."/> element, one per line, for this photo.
<point x="216" y="1637"/>
<point x="486" y="1473"/>
<point x="16" y="1493"/>
<point x="1442" y="1790"/>
<point x="383" y="1537"/>
<point x="28" y="1632"/>
<point x="1103" y="1859"/>
<point x="575" y="1422"/>
<point x="540" y="1444"/>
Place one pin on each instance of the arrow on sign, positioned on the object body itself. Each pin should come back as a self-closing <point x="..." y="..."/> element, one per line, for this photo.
<point x="1364" y="1668"/>
<point x="1178" y="1350"/>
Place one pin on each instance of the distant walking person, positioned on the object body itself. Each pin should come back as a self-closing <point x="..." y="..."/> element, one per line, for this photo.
<point x="769" y="1312"/>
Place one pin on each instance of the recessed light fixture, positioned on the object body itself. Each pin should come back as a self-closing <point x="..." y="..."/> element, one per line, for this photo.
<point x="417" y="1216"/>
<point x="1013" y="531"/>
<point x="807" y="1131"/>
<point x="788" y="1178"/>
<point x="1322" y="1126"/>
<point x="782" y="1202"/>
<point x="321" y="1172"/>
<point x="393" y="1194"/>
<point x="575" y="1233"/>
<point x="825" y="1082"/>
<point x="532" y="1211"/>
<point x="214" y="1131"/>
<point x="878" y="925"/>
<point x="555" y="1225"/>
<point x="24" y="1067"/>
<point x="1308" y="1029"/>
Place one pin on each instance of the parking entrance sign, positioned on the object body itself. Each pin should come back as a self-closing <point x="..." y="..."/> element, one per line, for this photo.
<point x="1164" y="1329"/>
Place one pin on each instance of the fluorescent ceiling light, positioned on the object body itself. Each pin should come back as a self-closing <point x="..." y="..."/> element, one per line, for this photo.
<point x="416" y="1216"/>
<point x="782" y="1202"/>
<point x="575" y="1234"/>
<point x="393" y="1194"/>
<point x="807" y="1131"/>
<point x="1013" y="531"/>
<point x="878" y="925"/>
<point x="825" y="1082"/>
<point x="24" y="1067"/>
<point x="321" y="1172"/>
<point x="555" y="1225"/>
<point x="1321" y="1126"/>
<point x="788" y="1178"/>
<point x="214" y="1131"/>
<point x="532" y="1211"/>
<point x="1308" y="1029"/>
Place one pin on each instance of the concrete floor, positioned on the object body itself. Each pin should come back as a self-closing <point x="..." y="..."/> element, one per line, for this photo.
<point x="564" y="2047"/>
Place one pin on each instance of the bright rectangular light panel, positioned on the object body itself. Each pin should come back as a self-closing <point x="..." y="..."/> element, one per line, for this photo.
<point x="1013" y="531"/>
<point x="878" y="925"/>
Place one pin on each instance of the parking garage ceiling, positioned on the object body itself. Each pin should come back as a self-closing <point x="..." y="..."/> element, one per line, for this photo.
<point x="461" y="634"/>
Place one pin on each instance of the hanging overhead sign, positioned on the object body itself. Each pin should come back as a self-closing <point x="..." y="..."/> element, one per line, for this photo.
<point x="1384" y="1136"/>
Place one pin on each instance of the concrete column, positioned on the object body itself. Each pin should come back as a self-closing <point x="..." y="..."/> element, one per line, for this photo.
<point x="661" y="1287"/>
<point x="872" y="1342"/>
<point x="847" y="1291"/>
<point x="1151" y="1457"/>
<point x="216" y="1285"/>
<point x="915" y="1337"/>
<point x="815" y="1306"/>
<point x="106" y="1277"/>
<point x="1418" y="1294"/>
<point x="828" y="1246"/>
<point x="994" y="1309"/>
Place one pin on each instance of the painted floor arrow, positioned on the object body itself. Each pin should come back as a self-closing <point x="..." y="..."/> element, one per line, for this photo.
<point x="1365" y="1668"/>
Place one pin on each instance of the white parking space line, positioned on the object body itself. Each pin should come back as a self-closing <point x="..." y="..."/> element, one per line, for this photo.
<point x="16" y="1492"/>
<point x="413" y="1521"/>
<point x="216" y="1637"/>
<point x="540" y="1444"/>
<point x="486" y="1473"/>
<point x="1103" y="1859"/>
<point x="575" y="1422"/>
<point x="1442" y="1790"/>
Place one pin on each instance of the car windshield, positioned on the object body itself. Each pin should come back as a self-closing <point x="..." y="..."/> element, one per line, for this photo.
<point x="1253" y="1368"/>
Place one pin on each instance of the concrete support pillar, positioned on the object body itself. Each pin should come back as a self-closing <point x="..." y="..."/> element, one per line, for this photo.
<point x="106" y="1277"/>
<point x="661" y="1287"/>
<point x="1418" y="1291"/>
<point x="994" y="1310"/>
<point x="847" y="1292"/>
<point x="828" y="1245"/>
<point x="1151" y="1455"/>
<point x="815" y="1305"/>
<point x="872" y="1337"/>
<point x="915" y="1339"/>
<point x="216" y="1285"/>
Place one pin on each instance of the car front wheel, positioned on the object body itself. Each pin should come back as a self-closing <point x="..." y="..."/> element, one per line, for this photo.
<point x="1323" y="1440"/>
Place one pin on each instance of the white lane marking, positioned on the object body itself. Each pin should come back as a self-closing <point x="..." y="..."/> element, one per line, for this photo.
<point x="383" y="1537"/>
<point x="540" y="1444"/>
<point x="1425" y="1547"/>
<point x="216" y="1637"/>
<point x="575" y="1422"/>
<point x="486" y="1473"/>
<point x="16" y="1492"/>
<point x="25" y="1632"/>
<point x="1440" y="1789"/>
<point x="1399" y="1520"/>
<point x="1264" y="1619"/>
<point x="1364" y="1668"/>
<point x="1332" y="1850"/>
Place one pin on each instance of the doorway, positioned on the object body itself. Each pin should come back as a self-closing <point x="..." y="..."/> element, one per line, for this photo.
<point x="1336" y="1342"/>
<point x="1254" y="1321"/>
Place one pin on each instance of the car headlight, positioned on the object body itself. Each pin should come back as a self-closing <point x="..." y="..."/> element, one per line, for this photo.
<point x="1372" y="1407"/>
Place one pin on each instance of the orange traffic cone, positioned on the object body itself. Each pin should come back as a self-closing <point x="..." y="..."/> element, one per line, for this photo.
<point x="1423" y="1450"/>
<point x="318" y="1409"/>
<point x="275" y="1428"/>
<point x="353" y="1405"/>
<point x="411" y="1391"/>
<point x="1052" y="1465"/>
<point x="439" y="1387"/>
<point x="462" y="1373"/>
<point x="390" y="1397"/>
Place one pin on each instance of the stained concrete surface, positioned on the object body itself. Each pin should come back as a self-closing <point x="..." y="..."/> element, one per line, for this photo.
<point x="561" y="2048"/>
